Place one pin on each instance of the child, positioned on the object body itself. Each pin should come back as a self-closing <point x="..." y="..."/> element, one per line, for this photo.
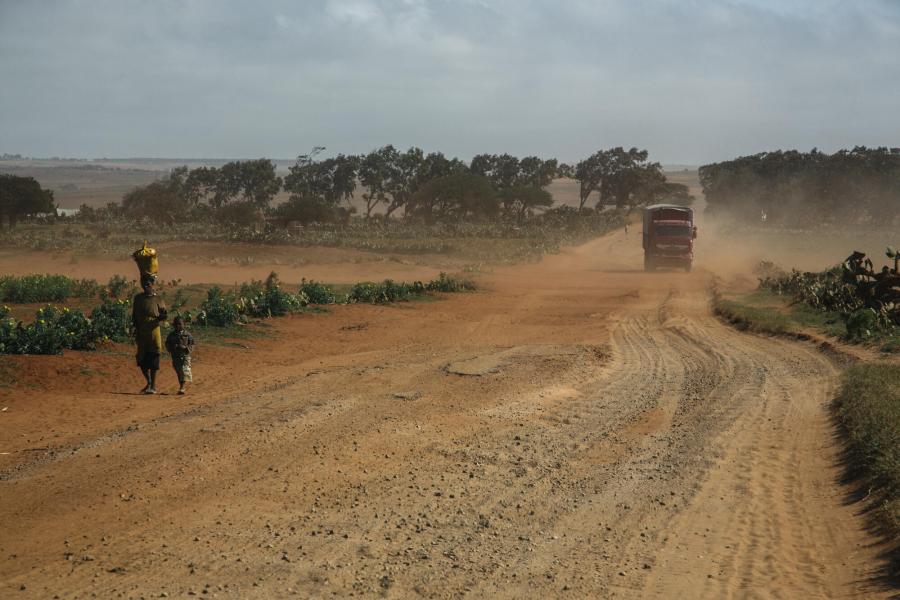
<point x="180" y="344"/>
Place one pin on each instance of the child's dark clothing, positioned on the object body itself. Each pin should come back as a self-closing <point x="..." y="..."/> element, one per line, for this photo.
<point x="180" y="344"/>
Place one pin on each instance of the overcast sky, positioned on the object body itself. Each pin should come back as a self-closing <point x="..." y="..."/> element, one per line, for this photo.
<point x="689" y="80"/>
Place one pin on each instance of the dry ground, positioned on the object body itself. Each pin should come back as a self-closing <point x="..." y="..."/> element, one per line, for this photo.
<point x="576" y="429"/>
<point x="203" y="262"/>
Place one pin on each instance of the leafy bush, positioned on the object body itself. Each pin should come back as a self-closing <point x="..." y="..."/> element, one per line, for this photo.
<point x="255" y="299"/>
<point x="445" y="283"/>
<point x="45" y="288"/>
<point x="52" y="331"/>
<point x="386" y="291"/>
<point x="317" y="293"/>
<point x="254" y="288"/>
<point x="120" y="287"/>
<point x="112" y="320"/>
<point x="273" y="301"/>
<point x="868" y="302"/>
<point x="220" y="309"/>
<point x="825" y="290"/>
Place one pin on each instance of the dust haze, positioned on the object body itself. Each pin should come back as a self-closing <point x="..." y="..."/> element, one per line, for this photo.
<point x="434" y="355"/>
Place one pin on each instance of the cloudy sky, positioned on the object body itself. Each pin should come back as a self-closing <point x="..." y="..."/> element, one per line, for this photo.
<point x="690" y="80"/>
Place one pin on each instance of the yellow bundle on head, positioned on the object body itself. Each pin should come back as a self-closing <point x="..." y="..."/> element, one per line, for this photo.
<point x="146" y="260"/>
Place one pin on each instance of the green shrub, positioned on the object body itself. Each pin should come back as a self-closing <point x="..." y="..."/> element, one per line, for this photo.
<point x="52" y="331"/>
<point x="256" y="299"/>
<point x="254" y="288"/>
<point x="220" y="309"/>
<point x="317" y="293"/>
<point x="45" y="288"/>
<point x="112" y="320"/>
<point x="272" y="301"/>
<point x="386" y="291"/>
<point x="833" y="291"/>
<point x="445" y="283"/>
<point x="861" y="324"/>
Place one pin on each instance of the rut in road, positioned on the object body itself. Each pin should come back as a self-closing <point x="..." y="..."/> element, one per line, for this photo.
<point x="637" y="449"/>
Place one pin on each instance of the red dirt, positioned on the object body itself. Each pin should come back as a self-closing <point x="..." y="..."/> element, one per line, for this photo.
<point x="577" y="428"/>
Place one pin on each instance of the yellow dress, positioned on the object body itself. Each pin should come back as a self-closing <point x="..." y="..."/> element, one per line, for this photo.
<point x="145" y="314"/>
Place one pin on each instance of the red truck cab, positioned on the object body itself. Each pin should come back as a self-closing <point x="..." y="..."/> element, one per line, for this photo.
<point x="668" y="236"/>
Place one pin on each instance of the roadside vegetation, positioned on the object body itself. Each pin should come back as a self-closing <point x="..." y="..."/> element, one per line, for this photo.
<point x="851" y="301"/>
<point x="55" y="329"/>
<point x="868" y="410"/>
<point x="500" y="242"/>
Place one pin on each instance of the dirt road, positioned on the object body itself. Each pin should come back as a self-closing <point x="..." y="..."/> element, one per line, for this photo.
<point x="577" y="429"/>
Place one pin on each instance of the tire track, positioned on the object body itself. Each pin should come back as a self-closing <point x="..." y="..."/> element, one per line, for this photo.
<point x="626" y="445"/>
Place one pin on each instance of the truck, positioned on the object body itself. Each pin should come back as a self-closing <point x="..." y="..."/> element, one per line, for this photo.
<point x="668" y="236"/>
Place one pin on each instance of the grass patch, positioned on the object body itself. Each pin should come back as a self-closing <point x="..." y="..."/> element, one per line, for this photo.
<point x="748" y="313"/>
<point x="868" y="410"/>
<point x="763" y="311"/>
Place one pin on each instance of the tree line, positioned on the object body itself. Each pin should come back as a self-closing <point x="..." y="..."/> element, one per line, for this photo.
<point x="391" y="183"/>
<point x="861" y="185"/>
<point x="433" y="188"/>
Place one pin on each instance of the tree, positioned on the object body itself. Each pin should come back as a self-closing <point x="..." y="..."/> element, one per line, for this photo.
<point x="522" y="200"/>
<point x="318" y="187"/>
<point x="199" y="185"/>
<point x="501" y="169"/>
<point x="482" y="164"/>
<point x="623" y="172"/>
<point x="376" y="171"/>
<point x="22" y="197"/>
<point x="343" y="177"/>
<point x="623" y="178"/>
<point x="253" y="181"/>
<point x="457" y="197"/>
<point x="160" y="201"/>
<point x="536" y="172"/>
<point x="331" y="180"/>
<point x="436" y="165"/>
<point x="589" y="174"/>
<point x="402" y="178"/>
<point x="433" y="166"/>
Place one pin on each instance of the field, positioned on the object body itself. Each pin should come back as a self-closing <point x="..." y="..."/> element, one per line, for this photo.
<point x="574" y="428"/>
